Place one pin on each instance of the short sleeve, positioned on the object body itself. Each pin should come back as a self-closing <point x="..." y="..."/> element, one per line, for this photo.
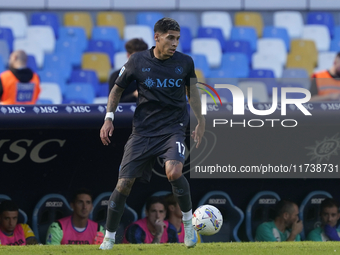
<point x="54" y="234"/>
<point x="264" y="233"/>
<point x="27" y="231"/>
<point x="126" y="73"/>
<point x="191" y="73"/>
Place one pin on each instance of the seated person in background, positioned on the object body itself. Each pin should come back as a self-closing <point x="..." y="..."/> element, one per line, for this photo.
<point x="153" y="228"/>
<point x="174" y="216"/>
<point x="130" y="94"/>
<point x="326" y="84"/>
<point x="19" y="84"/>
<point x="285" y="227"/>
<point x="329" y="213"/>
<point x="77" y="228"/>
<point x="12" y="233"/>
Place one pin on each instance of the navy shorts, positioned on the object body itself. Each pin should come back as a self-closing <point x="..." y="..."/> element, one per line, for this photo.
<point x="141" y="152"/>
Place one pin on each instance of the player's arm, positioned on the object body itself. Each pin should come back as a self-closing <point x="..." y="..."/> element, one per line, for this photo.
<point x="296" y="230"/>
<point x="54" y="234"/>
<point x="195" y="105"/>
<point x="29" y="235"/>
<point x="107" y="128"/>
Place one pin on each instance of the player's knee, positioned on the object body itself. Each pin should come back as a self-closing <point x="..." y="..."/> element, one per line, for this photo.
<point x="124" y="186"/>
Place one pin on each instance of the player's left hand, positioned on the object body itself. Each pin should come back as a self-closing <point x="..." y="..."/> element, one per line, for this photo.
<point x="198" y="133"/>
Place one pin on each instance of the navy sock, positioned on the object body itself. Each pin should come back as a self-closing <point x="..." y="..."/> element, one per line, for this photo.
<point x="115" y="210"/>
<point x="181" y="190"/>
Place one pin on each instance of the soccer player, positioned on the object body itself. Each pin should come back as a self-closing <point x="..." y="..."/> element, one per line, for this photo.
<point x="159" y="124"/>
<point x="153" y="228"/>
<point x="12" y="233"/>
<point x="285" y="227"/>
<point x="330" y="215"/>
<point x="77" y="228"/>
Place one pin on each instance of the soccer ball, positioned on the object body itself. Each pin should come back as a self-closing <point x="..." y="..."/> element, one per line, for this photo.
<point x="207" y="220"/>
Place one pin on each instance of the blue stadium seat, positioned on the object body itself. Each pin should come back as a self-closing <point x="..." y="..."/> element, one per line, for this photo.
<point x="53" y="75"/>
<point x="46" y="18"/>
<point x="211" y="32"/>
<point x="2" y="65"/>
<point x="187" y="19"/>
<point x="7" y="34"/>
<point x="22" y="217"/>
<point x="295" y="73"/>
<point x="99" y="213"/>
<point x="80" y="91"/>
<point x="222" y="73"/>
<point x="335" y="44"/>
<point x="232" y="217"/>
<point x="336" y="32"/>
<point x="266" y="76"/>
<point x="246" y="34"/>
<point x="109" y="34"/>
<point x="240" y="47"/>
<point x="44" y="101"/>
<point x="321" y="18"/>
<point x="102" y="90"/>
<point x="237" y="63"/>
<point x="31" y="63"/>
<point x="185" y="40"/>
<point x="277" y="32"/>
<point x="77" y="34"/>
<point x="148" y="18"/>
<point x="59" y="61"/>
<point x="261" y="208"/>
<point x="4" y="51"/>
<point x="201" y="63"/>
<point x="50" y="208"/>
<point x="102" y="46"/>
<point x="261" y="73"/>
<point x="71" y="49"/>
<point x="85" y="76"/>
<point x="310" y="211"/>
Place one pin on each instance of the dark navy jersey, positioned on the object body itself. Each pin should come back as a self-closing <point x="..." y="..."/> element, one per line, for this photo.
<point x="161" y="105"/>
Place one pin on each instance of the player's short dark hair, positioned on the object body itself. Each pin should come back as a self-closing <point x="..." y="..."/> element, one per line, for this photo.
<point x="166" y="24"/>
<point x="284" y="206"/>
<point x="8" y="205"/>
<point x="329" y="202"/>
<point x="79" y="192"/>
<point x="135" y="45"/>
<point x="154" y="200"/>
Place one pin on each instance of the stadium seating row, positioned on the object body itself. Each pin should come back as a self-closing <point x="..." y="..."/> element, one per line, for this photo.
<point x="219" y="49"/>
<point x="260" y="209"/>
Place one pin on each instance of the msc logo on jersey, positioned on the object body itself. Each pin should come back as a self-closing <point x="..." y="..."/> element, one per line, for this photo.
<point x="146" y="69"/>
<point x="165" y="83"/>
<point x="149" y="82"/>
<point x="178" y="69"/>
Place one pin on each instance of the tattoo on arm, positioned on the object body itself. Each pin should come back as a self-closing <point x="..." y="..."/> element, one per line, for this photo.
<point x="124" y="186"/>
<point x="173" y="162"/>
<point x="114" y="97"/>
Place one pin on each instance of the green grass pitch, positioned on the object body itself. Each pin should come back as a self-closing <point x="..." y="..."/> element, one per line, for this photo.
<point x="284" y="248"/>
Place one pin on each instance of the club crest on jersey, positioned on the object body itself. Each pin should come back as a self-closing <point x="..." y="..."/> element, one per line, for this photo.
<point x="149" y="82"/>
<point x="178" y="69"/>
<point x="122" y="71"/>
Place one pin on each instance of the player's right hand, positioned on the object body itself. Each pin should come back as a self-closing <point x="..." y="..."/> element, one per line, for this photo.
<point x="297" y="227"/>
<point x="159" y="226"/>
<point x="106" y="131"/>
